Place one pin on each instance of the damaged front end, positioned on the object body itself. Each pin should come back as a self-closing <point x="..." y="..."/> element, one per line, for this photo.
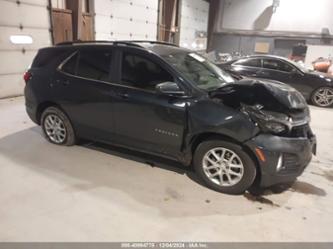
<point x="285" y="142"/>
<point x="276" y="123"/>
<point x="274" y="107"/>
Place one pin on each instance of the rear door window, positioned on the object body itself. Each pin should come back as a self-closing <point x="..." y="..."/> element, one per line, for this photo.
<point x="277" y="65"/>
<point x="93" y="65"/>
<point x="249" y="62"/>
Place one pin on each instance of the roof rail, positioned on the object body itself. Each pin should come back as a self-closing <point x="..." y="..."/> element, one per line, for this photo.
<point x="129" y="42"/>
<point x="154" y="42"/>
<point x="100" y="41"/>
<point x="80" y="42"/>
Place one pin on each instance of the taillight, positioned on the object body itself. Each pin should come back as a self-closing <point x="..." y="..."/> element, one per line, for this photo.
<point x="27" y="76"/>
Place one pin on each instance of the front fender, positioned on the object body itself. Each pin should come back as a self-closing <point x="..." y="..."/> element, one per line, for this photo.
<point x="216" y="118"/>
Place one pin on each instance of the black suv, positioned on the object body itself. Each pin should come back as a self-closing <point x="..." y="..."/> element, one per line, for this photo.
<point x="161" y="99"/>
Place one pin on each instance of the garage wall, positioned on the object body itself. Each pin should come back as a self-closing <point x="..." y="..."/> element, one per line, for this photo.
<point x="194" y="24"/>
<point x="292" y="16"/>
<point x="244" y="23"/>
<point x="245" y="44"/>
<point x="126" y="19"/>
<point x="29" y="17"/>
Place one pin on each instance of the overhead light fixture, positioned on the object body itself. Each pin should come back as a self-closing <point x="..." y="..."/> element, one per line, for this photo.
<point x="21" y="39"/>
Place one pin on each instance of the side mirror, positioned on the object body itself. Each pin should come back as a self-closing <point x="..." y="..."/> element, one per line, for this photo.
<point x="294" y="71"/>
<point x="169" y="88"/>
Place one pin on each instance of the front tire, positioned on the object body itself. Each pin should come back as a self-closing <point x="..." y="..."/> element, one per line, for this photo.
<point x="224" y="166"/>
<point x="323" y="97"/>
<point x="57" y="127"/>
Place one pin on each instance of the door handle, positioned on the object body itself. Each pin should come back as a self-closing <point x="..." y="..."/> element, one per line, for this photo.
<point x="123" y="95"/>
<point x="65" y="83"/>
<point x="261" y="73"/>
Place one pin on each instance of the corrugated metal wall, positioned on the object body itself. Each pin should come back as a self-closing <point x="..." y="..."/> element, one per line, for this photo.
<point x="27" y="17"/>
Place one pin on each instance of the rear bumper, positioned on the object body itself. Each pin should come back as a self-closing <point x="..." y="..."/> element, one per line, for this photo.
<point x="32" y="113"/>
<point x="30" y="105"/>
<point x="285" y="158"/>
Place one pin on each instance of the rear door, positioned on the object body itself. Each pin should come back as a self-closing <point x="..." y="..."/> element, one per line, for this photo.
<point x="275" y="69"/>
<point x="85" y="80"/>
<point x="143" y="118"/>
<point x="285" y="72"/>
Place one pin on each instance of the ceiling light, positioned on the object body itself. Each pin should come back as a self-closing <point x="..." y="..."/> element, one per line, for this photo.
<point x="21" y="39"/>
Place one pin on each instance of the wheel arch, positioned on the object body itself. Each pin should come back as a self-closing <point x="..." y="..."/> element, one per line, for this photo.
<point x="199" y="138"/>
<point x="71" y="131"/>
<point x="43" y="106"/>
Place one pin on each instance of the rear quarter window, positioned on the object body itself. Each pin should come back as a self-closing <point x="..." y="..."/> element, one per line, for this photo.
<point x="70" y="64"/>
<point x="277" y="65"/>
<point x="46" y="57"/>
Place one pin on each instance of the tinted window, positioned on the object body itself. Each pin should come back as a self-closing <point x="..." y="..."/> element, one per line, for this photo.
<point x="277" y="65"/>
<point x="71" y="65"/>
<point x="139" y="72"/>
<point x="94" y="65"/>
<point x="249" y="62"/>
<point x="46" y="56"/>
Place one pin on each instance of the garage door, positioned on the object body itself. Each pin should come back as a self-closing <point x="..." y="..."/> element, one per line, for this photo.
<point x="194" y="24"/>
<point x="126" y="19"/>
<point x="24" y="28"/>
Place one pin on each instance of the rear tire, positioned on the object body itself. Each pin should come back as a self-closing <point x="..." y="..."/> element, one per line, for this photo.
<point x="224" y="166"/>
<point x="57" y="127"/>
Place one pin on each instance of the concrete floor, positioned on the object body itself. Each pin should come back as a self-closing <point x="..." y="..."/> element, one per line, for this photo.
<point x="99" y="193"/>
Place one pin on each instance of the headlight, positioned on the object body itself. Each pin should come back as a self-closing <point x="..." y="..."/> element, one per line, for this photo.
<point x="269" y="122"/>
<point x="274" y="127"/>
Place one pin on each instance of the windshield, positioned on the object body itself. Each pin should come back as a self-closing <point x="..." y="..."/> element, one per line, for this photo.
<point x="198" y="70"/>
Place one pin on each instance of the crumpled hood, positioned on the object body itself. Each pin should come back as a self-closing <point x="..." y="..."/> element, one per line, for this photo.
<point x="264" y="92"/>
<point x="287" y="95"/>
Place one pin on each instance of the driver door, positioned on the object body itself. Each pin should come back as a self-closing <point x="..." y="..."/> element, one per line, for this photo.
<point x="143" y="118"/>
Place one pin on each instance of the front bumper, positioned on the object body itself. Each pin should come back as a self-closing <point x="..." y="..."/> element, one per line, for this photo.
<point x="285" y="158"/>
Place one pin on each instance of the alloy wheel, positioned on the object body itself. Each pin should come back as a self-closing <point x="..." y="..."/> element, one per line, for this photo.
<point x="323" y="97"/>
<point x="223" y="167"/>
<point x="55" y="129"/>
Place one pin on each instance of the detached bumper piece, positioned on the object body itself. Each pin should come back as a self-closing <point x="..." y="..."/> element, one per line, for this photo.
<point x="285" y="157"/>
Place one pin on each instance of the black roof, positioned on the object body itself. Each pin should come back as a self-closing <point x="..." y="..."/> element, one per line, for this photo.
<point x="261" y="56"/>
<point x="157" y="47"/>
